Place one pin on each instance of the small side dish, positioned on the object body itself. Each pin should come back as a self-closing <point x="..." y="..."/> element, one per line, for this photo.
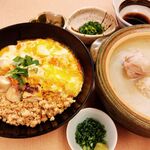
<point x="38" y="80"/>
<point x="90" y="134"/>
<point x="132" y="12"/>
<point x="91" y="23"/>
<point x="91" y="129"/>
<point x="50" y="18"/>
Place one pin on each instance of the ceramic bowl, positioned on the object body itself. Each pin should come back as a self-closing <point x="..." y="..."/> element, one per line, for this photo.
<point x="26" y="31"/>
<point x="103" y="118"/>
<point x="125" y="98"/>
<point x="134" y="7"/>
<point x="49" y="17"/>
<point x="84" y="15"/>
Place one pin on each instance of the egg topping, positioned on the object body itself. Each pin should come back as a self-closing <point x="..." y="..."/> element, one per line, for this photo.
<point x="38" y="80"/>
<point x="58" y="69"/>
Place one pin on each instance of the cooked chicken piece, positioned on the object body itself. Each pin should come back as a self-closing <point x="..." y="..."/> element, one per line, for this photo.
<point x="143" y="86"/>
<point x="13" y="94"/>
<point x="4" y="84"/>
<point x="136" y="65"/>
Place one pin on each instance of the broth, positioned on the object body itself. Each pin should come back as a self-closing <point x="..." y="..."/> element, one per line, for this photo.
<point x="136" y="18"/>
<point x="127" y="90"/>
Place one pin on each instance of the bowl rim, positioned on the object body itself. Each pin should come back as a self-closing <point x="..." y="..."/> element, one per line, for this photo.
<point x="117" y="11"/>
<point x="68" y="27"/>
<point x="100" y="113"/>
<point x="106" y="88"/>
<point x="85" y="98"/>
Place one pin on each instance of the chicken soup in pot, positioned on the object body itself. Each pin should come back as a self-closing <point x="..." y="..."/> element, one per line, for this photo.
<point x="128" y="71"/>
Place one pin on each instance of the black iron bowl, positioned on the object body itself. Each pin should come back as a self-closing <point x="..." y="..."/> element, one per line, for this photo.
<point x="10" y="35"/>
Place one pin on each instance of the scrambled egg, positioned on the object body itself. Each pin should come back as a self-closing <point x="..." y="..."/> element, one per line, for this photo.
<point x="59" y="70"/>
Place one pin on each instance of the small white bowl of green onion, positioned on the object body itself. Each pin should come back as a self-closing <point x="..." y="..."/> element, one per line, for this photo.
<point x="91" y="129"/>
<point x="88" y="24"/>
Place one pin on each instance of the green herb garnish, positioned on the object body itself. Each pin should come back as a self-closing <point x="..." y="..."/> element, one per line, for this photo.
<point x="27" y="61"/>
<point x="91" y="28"/>
<point x="21" y="69"/>
<point x="89" y="133"/>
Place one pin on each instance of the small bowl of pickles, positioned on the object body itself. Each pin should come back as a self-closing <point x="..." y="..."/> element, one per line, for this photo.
<point x="88" y="24"/>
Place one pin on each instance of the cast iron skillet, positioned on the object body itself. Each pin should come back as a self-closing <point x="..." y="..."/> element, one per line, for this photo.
<point x="10" y="35"/>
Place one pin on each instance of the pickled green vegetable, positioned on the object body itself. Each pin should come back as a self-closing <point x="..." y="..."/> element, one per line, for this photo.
<point x="91" y="28"/>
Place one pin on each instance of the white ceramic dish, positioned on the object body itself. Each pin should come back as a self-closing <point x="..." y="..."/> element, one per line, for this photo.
<point x="84" y="15"/>
<point x="103" y="118"/>
<point x="123" y="7"/>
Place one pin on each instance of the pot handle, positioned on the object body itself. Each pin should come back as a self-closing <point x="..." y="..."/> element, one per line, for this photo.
<point x="95" y="46"/>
